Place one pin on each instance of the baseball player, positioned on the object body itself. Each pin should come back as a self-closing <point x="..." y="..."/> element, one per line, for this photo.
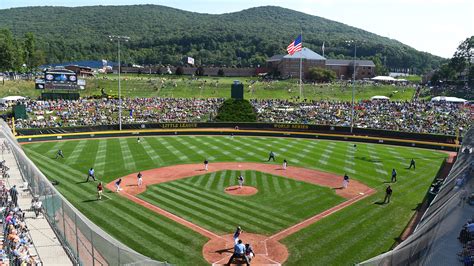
<point x="100" y="189"/>
<point x="117" y="185"/>
<point x="412" y="163"/>
<point x="394" y="175"/>
<point x="237" y="233"/>
<point x="271" y="156"/>
<point x="206" y="163"/>
<point x="140" y="180"/>
<point x="91" y="174"/>
<point x="241" y="181"/>
<point x="59" y="153"/>
<point x="345" y="181"/>
<point x="285" y="164"/>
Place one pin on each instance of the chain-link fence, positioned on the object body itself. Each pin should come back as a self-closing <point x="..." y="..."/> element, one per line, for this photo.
<point x="435" y="240"/>
<point x="85" y="242"/>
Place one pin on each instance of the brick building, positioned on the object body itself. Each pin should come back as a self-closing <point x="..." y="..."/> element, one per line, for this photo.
<point x="289" y="65"/>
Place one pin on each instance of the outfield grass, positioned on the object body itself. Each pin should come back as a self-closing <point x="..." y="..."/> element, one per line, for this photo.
<point x="183" y="87"/>
<point x="279" y="203"/>
<point x="357" y="232"/>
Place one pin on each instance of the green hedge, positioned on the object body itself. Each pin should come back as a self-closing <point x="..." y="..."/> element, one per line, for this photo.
<point x="233" y="110"/>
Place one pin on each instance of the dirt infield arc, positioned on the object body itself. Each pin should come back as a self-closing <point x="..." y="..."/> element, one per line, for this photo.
<point x="268" y="249"/>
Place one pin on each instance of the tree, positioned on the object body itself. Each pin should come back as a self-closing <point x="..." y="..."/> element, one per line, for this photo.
<point x="321" y="74"/>
<point x="380" y="69"/>
<point x="29" y="50"/>
<point x="461" y="62"/>
<point x="7" y="50"/>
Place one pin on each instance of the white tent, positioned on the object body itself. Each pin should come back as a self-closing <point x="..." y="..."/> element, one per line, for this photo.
<point x="12" y="98"/>
<point x="383" y="78"/>
<point x="448" y="99"/>
<point x="385" y="98"/>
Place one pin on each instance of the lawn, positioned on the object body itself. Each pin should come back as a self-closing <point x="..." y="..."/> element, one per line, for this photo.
<point x="279" y="203"/>
<point x="212" y="87"/>
<point x="353" y="234"/>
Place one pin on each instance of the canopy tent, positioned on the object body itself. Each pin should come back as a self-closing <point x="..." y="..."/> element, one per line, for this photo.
<point x="12" y="99"/>
<point x="383" y="78"/>
<point x="448" y="99"/>
<point x="377" y="97"/>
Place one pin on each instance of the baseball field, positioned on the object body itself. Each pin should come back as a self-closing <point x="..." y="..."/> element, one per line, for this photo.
<point x="181" y="208"/>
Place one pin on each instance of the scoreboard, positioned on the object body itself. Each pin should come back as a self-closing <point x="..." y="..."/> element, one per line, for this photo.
<point x="61" y="79"/>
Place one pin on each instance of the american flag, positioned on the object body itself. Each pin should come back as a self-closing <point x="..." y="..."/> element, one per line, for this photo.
<point x="295" y="45"/>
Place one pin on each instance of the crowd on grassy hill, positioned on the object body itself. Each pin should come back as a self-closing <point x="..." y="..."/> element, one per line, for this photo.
<point x="414" y="116"/>
<point x="92" y="112"/>
<point x="417" y="116"/>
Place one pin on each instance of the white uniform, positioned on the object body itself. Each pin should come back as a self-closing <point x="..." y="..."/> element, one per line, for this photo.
<point x="241" y="181"/>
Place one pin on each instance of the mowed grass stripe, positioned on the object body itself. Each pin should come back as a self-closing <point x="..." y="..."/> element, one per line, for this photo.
<point x="222" y="213"/>
<point x="151" y="152"/>
<point x="99" y="164"/>
<point x="231" y="202"/>
<point x="127" y="155"/>
<point x="76" y="152"/>
<point x="169" y="202"/>
<point x="167" y="144"/>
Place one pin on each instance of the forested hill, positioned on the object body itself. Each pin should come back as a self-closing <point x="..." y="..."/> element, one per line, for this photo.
<point x="164" y="35"/>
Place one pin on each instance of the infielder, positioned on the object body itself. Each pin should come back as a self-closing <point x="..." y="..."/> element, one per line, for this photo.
<point x="345" y="181"/>
<point x="140" y="180"/>
<point x="206" y="163"/>
<point x="285" y="164"/>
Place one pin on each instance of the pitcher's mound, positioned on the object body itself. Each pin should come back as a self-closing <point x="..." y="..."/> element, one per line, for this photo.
<point x="241" y="191"/>
<point x="267" y="251"/>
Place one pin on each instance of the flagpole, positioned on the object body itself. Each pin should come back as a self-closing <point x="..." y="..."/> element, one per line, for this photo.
<point x="301" y="66"/>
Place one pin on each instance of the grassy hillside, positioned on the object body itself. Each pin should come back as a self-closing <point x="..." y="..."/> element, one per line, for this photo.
<point x="172" y="86"/>
<point x="351" y="235"/>
<point x="164" y="35"/>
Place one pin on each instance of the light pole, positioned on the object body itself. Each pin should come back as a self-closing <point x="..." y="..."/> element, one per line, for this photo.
<point x="353" y="82"/>
<point x="119" y="38"/>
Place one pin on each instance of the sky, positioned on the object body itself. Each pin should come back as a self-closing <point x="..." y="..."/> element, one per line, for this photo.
<point x="433" y="26"/>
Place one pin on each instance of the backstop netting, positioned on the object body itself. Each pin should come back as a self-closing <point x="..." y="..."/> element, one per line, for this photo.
<point x="435" y="239"/>
<point x="85" y="242"/>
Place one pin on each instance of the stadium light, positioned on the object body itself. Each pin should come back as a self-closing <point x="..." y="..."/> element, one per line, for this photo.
<point x="353" y="82"/>
<point x="118" y="39"/>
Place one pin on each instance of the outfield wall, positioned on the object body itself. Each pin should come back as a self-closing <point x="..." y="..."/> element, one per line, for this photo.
<point x="430" y="141"/>
<point x="85" y="242"/>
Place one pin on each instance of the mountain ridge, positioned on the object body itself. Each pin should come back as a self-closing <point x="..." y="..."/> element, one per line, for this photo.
<point x="161" y="34"/>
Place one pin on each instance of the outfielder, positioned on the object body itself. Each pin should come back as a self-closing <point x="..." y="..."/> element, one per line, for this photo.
<point x="59" y="153"/>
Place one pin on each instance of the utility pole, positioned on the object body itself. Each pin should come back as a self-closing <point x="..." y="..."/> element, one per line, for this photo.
<point x="118" y="39"/>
